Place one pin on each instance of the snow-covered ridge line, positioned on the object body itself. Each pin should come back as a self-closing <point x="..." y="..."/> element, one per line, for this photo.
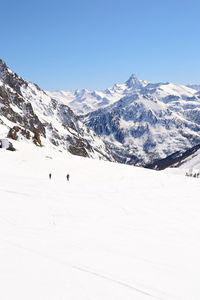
<point x="84" y="101"/>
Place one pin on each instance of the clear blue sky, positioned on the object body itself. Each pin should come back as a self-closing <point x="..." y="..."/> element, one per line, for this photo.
<point x="73" y="44"/>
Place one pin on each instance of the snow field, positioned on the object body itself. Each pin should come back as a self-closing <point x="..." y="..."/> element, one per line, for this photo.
<point x="112" y="232"/>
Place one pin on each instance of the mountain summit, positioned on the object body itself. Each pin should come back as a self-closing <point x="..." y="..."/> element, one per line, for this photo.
<point x="134" y="83"/>
<point x="3" y="68"/>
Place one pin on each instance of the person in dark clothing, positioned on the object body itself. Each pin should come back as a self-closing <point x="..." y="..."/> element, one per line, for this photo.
<point x="49" y="175"/>
<point x="67" y="177"/>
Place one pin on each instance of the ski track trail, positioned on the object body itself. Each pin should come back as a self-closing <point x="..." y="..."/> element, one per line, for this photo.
<point x="87" y="270"/>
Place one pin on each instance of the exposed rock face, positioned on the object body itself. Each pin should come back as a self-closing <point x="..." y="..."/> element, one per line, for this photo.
<point x="36" y="139"/>
<point x="10" y="78"/>
<point x="13" y="133"/>
<point x="16" y="130"/>
<point x="174" y="160"/>
<point x="30" y="113"/>
<point x="17" y="110"/>
<point x="78" y="147"/>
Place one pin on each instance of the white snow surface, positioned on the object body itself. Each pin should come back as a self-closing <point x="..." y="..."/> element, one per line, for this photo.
<point x="112" y="232"/>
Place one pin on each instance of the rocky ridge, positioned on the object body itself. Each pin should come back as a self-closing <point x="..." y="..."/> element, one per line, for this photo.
<point x="27" y="112"/>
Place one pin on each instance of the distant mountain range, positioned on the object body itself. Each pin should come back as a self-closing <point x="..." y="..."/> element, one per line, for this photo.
<point x="136" y="122"/>
<point x="140" y="121"/>
<point x="84" y="101"/>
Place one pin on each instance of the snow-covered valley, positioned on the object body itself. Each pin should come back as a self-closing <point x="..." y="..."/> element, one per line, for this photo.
<point x="112" y="232"/>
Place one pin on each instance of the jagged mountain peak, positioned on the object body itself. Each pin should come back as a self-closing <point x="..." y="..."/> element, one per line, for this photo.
<point x="134" y="82"/>
<point x="4" y="70"/>
<point x="2" y="64"/>
<point x="11" y="79"/>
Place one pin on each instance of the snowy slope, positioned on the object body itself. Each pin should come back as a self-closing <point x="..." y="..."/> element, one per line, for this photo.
<point x="112" y="232"/>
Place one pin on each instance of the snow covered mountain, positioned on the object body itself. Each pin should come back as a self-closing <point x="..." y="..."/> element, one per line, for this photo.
<point x="140" y="121"/>
<point x="84" y="101"/>
<point x="152" y="123"/>
<point x="27" y="112"/>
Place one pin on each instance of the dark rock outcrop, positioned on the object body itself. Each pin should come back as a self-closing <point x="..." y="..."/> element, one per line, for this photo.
<point x="174" y="160"/>
<point x="5" y="144"/>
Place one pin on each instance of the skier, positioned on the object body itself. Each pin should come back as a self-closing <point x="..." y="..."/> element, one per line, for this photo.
<point x="67" y="177"/>
<point x="49" y="175"/>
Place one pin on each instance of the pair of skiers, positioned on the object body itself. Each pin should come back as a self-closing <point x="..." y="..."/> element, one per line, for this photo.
<point x="67" y="176"/>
